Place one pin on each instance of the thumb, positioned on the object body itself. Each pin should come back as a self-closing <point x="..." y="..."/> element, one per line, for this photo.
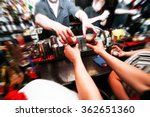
<point x="90" y="46"/>
<point x="67" y="46"/>
<point x="77" y="46"/>
<point x="95" y="31"/>
<point x="121" y="54"/>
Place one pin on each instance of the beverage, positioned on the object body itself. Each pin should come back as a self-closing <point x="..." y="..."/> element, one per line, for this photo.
<point x="90" y="38"/>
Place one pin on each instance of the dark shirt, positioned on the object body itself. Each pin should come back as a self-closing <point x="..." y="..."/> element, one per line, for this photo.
<point x="66" y="8"/>
<point x="91" y="13"/>
<point x="83" y="3"/>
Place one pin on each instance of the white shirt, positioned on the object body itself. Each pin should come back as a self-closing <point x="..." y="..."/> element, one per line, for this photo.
<point x="54" y="7"/>
<point x="41" y="89"/>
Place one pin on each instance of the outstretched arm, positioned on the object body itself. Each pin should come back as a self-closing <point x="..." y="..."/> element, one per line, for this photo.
<point x="130" y="53"/>
<point x="120" y="53"/>
<point x="86" y="87"/>
<point x="102" y="18"/>
<point x="86" y="24"/>
<point x="134" y="77"/>
<point x="64" y="33"/>
<point x="126" y="11"/>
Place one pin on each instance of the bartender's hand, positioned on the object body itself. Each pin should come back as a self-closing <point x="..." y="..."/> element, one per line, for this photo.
<point x="116" y="51"/>
<point x="98" y="48"/>
<point x="64" y="34"/>
<point x="104" y="15"/>
<point x="72" y="53"/>
<point x="86" y="25"/>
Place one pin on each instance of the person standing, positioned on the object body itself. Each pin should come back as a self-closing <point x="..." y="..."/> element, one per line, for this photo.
<point x="98" y="13"/>
<point x="53" y="15"/>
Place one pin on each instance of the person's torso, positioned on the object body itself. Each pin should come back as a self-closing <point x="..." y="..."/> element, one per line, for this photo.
<point x="62" y="16"/>
<point x="91" y="13"/>
<point x="63" y="12"/>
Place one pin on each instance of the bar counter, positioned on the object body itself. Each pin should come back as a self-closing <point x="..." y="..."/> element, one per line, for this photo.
<point x="62" y="71"/>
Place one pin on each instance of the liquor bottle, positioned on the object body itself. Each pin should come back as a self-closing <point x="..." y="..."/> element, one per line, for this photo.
<point x="48" y="48"/>
<point x="55" y="46"/>
<point x="34" y="34"/>
<point x="41" y="50"/>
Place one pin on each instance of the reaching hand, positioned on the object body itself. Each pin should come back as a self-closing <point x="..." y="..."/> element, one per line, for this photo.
<point x="98" y="48"/>
<point x="72" y="53"/>
<point x="87" y="25"/>
<point x="65" y="35"/>
<point x="104" y="15"/>
<point x="116" y="51"/>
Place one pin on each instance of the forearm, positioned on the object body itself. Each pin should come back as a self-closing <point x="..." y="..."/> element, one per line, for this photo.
<point x="122" y="11"/>
<point x="103" y="23"/>
<point x="94" y="19"/>
<point x="45" y="22"/>
<point x="134" y="77"/>
<point x="86" y="87"/>
<point x="102" y="18"/>
<point x="82" y="16"/>
<point x="130" y="53"/>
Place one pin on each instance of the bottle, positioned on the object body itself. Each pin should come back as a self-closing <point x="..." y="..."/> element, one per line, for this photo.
<point x="55" y="46"/>
<point x="47" y="48"/>
<point x="40" y="49"/>
<point x="34" y="34"/>
<point x="108" y="37"/>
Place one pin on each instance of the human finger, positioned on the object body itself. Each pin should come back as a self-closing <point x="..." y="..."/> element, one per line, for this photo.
<point x="63" y="37"/>
<point x="70" y="32"/>
<point x="116" y="47"/>
<point x="61" y="40"/>
<point x="90" y="46"/>
<point x="77" y="46"/>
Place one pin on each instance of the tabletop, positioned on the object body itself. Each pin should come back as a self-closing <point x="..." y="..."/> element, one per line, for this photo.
<point x="62" y="71"/>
